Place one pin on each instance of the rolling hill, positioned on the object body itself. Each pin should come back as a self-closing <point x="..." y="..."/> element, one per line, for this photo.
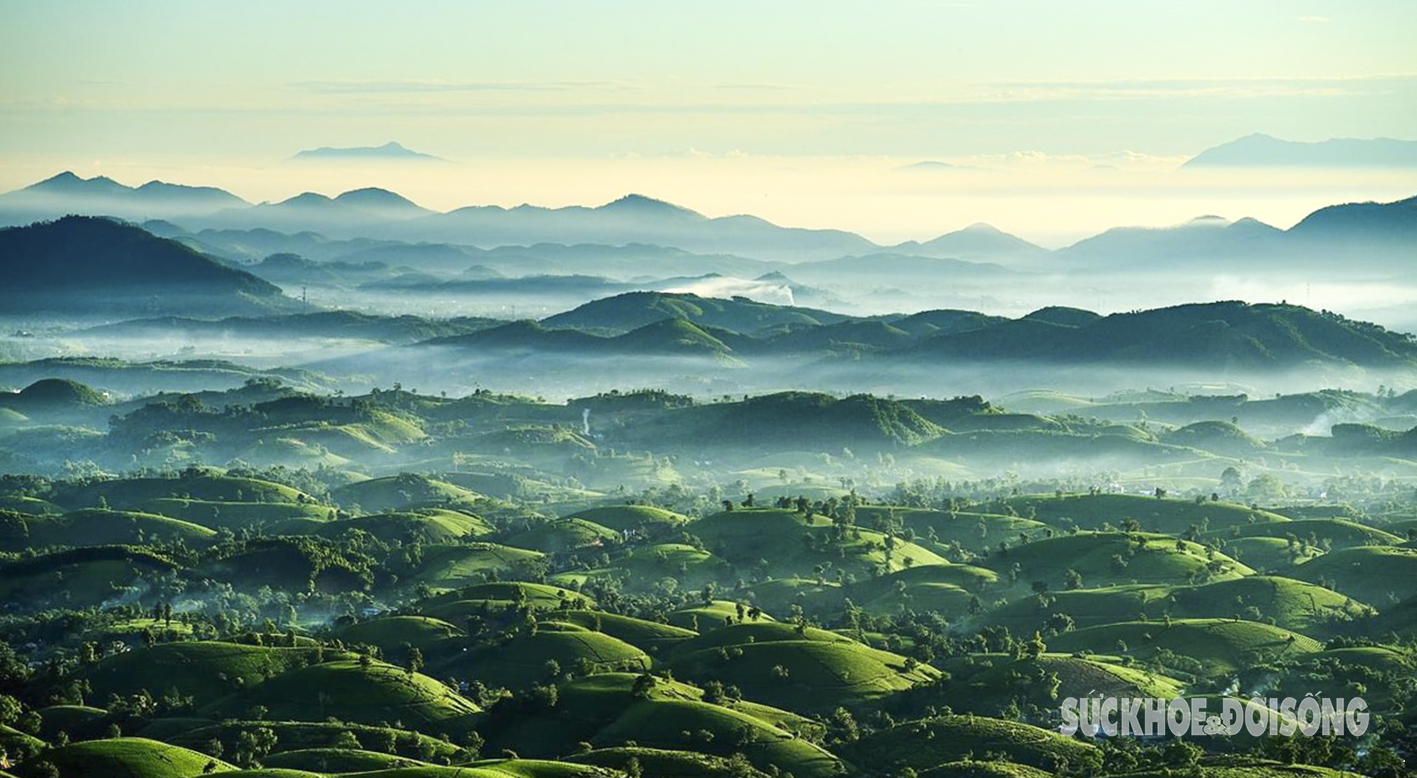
<point x="74" y="263"/>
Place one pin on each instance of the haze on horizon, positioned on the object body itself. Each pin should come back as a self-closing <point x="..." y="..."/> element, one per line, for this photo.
<point x="1062" y="120"/>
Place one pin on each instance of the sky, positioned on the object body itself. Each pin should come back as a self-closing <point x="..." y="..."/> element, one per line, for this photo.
<point x="1068" y="117"/>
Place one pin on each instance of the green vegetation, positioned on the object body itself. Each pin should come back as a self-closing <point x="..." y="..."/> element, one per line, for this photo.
<point x="351" y="691"/>
<point x="647" y="583"/>
<point x="931" y="742"/>
<point x="1205" y="647"/>
<point x="132" y="756"/>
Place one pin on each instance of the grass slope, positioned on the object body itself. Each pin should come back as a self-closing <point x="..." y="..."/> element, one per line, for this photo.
<point x="931" y="742"/>
<point x="131" y="757"/>
<point x="1201" y="647"/>
<point x="375" y="694"/>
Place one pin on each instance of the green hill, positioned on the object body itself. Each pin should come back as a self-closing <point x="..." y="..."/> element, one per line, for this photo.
<point x="688" y="567"/>
<point x="661" y="725"/>
<point x="623" y="518"/>
<point x="675" y="336"/>
<point x="1220" y="437"/>
<point x="527" y="659"/>
<point x="988" y="684"/>
<point x="667" y="763"/>
<point x="1293" y="605"/>
<point x="1329" y="533"/>
<point x="374" y="694"/>
<point x="562" y="535"/>
<point x="337" y="760"/>
<point x="300" y="735"/>
<point x="402" y="492"/>
<point x="131" y="757"/>
<point x="648" y="636"/>
<point x="452" y="566"/>
<point x="133" y="493"/>
<point x="1247" y="767"/>
<point x="1228" y="333"/>
<point x="1166" y="516"/>
<point x="96" y="527"/>
<point x="539" y="596"/>
<point x="1377" y="575"/>
<point x="974" y="532"/>
<point x="978" y="769"/>
<point x="77" y="262"/>
<point x="80" y="577"/>
<point x="814" y="672"/>
<point x="1276" y="556"/>
<point x="1109" y="558"/>
<point x="52" y="394"/>
<point x="604" y="710"/>
<point x="755" y="632"/>
<point x="294" y="563"/>
<point x="631" y="311"/>
<point x="931" y="742"/>
<point x="1374" y="672"/>
<point x="389" y="633"/>
<point x="216" y="514"/>
<point x="793" y="421"/>
<point x="1201" y="647"/>
<point x="800" y="545"/>
<point x="206" y="671"/>
<point x="72" y="719"/>
<point x="426" y="525"/>
<point x="711" y="615"/>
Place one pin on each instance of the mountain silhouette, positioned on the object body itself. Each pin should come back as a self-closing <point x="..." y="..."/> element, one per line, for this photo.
<point x="95" y="265"/>
<point x="1261" y="150"/>
<point x="389" y="151"/>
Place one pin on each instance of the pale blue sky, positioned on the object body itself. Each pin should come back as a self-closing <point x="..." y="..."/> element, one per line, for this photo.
<point x="198" y="84"/>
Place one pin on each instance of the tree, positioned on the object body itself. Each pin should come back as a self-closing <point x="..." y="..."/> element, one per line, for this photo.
<point x="642" y="687"/>
<point x="1072" y="579"/>
<point x="9" y="710"/>
<point x="1182" y="753"/>
<point x="1035" y="648"/>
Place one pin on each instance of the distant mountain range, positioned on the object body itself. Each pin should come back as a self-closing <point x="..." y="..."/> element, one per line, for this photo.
<point x="1224" y="335"/>
<point x="389" y="151"/>
<point x="1260" y="150"/>
<point x="67" y="193"/>
<point x="1221" y="334"/>
<point x="324" y="325"/>
<point x="393" y="227"/>
<point x="100" y="267"/>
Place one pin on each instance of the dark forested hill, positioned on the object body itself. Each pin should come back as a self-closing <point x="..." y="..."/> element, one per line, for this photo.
<point x="1221" y="333"/>
<point x="101" y="267"/>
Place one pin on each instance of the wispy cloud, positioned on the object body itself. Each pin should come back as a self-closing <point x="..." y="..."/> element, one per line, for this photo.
<point x="762" y="86"/>
<point x="1223" y="87"/>
<point x="436" y="85"/>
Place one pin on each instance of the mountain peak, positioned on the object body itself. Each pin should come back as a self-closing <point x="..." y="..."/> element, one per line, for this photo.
<point x="1260" y="150"/>
<point x="67" y="177"/>
<point x="642" y="204"/>
<point x="307" y="200"/>
<point x="373" y="195"/>
<point x="982" y="228"/>
<point x="393" y="150"/>
<point x="70" y="183"/>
